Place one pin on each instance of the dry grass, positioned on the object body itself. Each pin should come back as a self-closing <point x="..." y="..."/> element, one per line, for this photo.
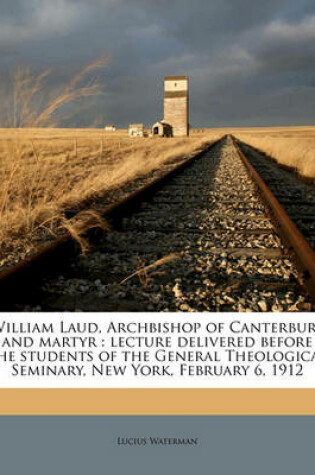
<point x="45" y="171"/>
<point x="291" y="146"/>
<point x="145" y="272"/>
<point x="30" y="102"/>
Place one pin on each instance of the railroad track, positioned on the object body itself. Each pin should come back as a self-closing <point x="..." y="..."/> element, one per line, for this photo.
<point x="200" y="239"/>
<point x="297" y="197"/>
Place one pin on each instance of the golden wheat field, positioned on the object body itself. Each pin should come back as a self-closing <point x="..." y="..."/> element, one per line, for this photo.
<point x="290" y="146"/>
<point x="46" y="171"/>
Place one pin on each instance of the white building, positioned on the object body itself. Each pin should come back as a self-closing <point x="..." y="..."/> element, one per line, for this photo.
<point x="136" y="130"/>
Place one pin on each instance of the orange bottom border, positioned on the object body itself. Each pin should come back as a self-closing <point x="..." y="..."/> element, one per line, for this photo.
<point x="192" y="402"/>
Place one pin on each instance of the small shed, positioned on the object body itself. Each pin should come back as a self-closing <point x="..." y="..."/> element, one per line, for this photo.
<point x="110" y="128"/>
<point x="161" y="129"/>
<point x="136" y="130"/>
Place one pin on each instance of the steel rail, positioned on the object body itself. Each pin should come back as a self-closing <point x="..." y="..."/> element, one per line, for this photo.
<point x="23" y="278"/>
<point x="293" y="238"/>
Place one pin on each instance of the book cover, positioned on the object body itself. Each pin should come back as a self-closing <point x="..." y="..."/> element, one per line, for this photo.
<point x="157" y="233"/>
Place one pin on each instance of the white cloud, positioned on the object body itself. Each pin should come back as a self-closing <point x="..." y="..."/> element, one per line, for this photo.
<point x="41" y="18"/>
<point x="298" y="32"/>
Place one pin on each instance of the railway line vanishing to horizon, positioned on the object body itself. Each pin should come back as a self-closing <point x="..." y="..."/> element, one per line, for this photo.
<point x="211" y="235"/>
